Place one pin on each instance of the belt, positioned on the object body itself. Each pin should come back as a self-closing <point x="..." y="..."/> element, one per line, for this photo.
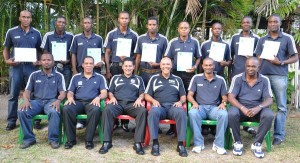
<point x="26" y="63"/>
<point x="116" y="64"/>
<point x="150" y="71"/>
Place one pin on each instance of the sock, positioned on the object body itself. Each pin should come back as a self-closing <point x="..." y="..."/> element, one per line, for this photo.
<point x="155" y="141"/>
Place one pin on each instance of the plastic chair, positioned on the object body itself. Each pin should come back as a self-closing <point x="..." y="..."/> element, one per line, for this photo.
<point x="41" y="117"/>
<point x="163" y="121"/>
<point x="229" y="138"/>
<point x="84" y="116"/>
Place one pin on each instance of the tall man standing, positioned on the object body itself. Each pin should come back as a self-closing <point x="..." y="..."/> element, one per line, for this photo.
<point x="48" y="89"/>
<point x="207" y="49"/>
<point x="115" y="43"/>
<point x="22" y="36"/>
<point x="276" y="68"/>
<point x="239" y="55"/>
<point x="153" y="42"/>
<point x="55" y="39"/>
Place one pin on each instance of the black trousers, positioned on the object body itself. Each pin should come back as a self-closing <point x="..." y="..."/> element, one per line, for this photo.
<point x="124" y="107"/>
<point x="69" y="118"/>
<point x="186" y="78"/>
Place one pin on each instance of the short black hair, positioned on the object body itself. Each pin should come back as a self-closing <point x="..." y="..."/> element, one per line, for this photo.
<point x="124" y="12"/>
<point x="60" y="16"/>
<point x="274" y="15"/>
<point x="217" y="22"/>
<point x="128" y="59"/>
<point x="152" y="18"/>
<point x="184" y="21"/>
<point x="89" y="57"/>
<point x="247" y="17"/>
<point x="48" y="53"/>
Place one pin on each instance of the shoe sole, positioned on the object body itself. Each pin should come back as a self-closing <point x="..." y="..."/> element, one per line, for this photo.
<point x="237" y="153"/>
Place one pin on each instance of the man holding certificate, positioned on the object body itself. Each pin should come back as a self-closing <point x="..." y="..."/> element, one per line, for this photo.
<point x="150" y="48"/>
<point x="182" y="50"/>
<point x="242" y="46"/>
<point x="276" y="50"/>
<point x="217" y="49"/>
<point x="25" y="42"/>
<point x="119" y="44"/>
<point x="58" y="43"/>
<point x="85" y="44"/>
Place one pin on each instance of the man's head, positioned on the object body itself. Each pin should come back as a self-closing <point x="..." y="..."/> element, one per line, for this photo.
<point x="216" y="29"/>
<point x="251" y="66"/>
<point x="246" y="23"/>
<point x="208" y="65"/>
<point x="152" y="25"/>
<point x="60" y="23"/>
<point x="274" y="23"/>
<point x="128" y="66"/>
<point x="183" y="29"/>
<point x="123" y="19"/>
<point x="87" y="24"/>
<point x="47" y="61"/>
<point x="88" y="64"/>
<point x="25" y="18"/>
<point x="165" y="65"/>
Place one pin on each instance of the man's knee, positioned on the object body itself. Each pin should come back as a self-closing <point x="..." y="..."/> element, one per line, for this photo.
<point x="154" y="112"/>
<point x="223" y="114"/>
<point x="233" y="112"/>
<point x="267" y="115"/>
<point x="194" y="113"/>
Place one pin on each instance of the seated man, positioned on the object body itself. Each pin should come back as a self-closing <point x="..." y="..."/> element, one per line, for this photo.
<point x="48" y="89"/>
<point x="250" y="96"/>
<point x="210" y="93"/>
<point x="126" y="92"/>
<point x="84" y="94"/>
<point x="166" y="93"/>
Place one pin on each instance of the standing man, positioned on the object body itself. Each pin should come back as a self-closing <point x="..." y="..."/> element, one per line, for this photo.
<point x="277" y="69"/>
<point x="112" y="61"/>
<point x="84" y="42"/>
<point x="239" y="60"/>
<point x="56" y="37"/>
<point x="114" y="39"/>
<point x="187" y="45"/>
<point x="126" y="92"/>
<point x="206" y="48"/>
<point x="84" y="94"/>
<point x="210" y="92"/>
<point x="250" y="96"/>
<point x="48" y="89"/>
<point x="22" y="36"/>
<point x="166" y="93"/>
<point x="145" y="44"/>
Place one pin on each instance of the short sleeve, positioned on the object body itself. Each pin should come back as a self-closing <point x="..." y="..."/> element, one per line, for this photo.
<point x="181" y="88"/>
<point x="73" y="48"/>
<point x="108" y="41"/>
<point x="197" y="50"/>
<point x="267" y="92"/>
<point x="193" y="84"/>
<point x="103" y="84"/>
<point x="292" y="46"/>
<point x="142" y="86"/>
<point x="169" y="50"/>
<point x="235" y="86"/>
<point x="149" y="89"/>
<point x="72" y="86"/>
<point x="8" y="41"/>
<point x="30" y="82"/>
<point x="112" y="85"/>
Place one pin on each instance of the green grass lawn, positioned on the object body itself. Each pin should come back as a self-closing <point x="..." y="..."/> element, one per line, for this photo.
<point x="122" y="150"/>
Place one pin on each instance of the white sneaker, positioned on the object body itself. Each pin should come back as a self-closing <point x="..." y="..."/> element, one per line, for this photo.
<point x="257" y="151"/>
<point x="79" y="125"/>
<point x="237" y="148"/>
<point x="198" y="149"/>
<point x="219" y="150"/>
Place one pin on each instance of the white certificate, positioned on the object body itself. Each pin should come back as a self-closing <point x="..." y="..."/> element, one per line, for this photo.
<point x="25" y="55"/>
<point x="149" y="52"/>
<point x="59" y="51"/>
<point x="184" y="61"/>
<point x="123" y="47"/>
<point x="95" y="53"/>
<point x="217" y="51"/>
<point x="270" y="50"/>
<point x="246" y="46"/>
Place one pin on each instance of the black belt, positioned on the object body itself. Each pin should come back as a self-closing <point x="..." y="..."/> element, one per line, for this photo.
<point x="26" y="63"/>
<point x="115" y="64"/>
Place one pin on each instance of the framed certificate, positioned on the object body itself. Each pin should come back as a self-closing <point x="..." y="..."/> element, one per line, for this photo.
<point x="149" y="52"/>
<point x="59" y="51"/>
<point x="217" y="51"/>
<point x="25" y="55"/>
<point x="123" y="47"/>
<point x="184" y="61"/>
<point x="95" y="53"/>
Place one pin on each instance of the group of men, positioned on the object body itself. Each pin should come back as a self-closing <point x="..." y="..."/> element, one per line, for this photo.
<point x="169" y="83"/>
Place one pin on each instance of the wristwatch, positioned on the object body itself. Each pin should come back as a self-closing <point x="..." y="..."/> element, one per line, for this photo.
<point x="224" y="102"/>
<point x="260" y="106"/>
<point x="281" y="63"/>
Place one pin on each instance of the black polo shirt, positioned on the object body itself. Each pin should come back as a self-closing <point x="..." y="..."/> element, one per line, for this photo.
<point x="161" y="42"/>
<point x="126" y="89"/>
<point x="80" y="44"/>
<point x="16" y="37"/>
<point x="177" y="45"/>
<point x="53" y="37"/>
<point x="247" y="95"/>
<point x="286" y="49"/>
<point x="208" y="92"/>
<point x="165" y="90"/>
<point x="87" y="89"/>
<point x="239" y="61"/>
<point x="205" y="50"/>
<point x="111" y="41"/>
<point x="45" y="87"/>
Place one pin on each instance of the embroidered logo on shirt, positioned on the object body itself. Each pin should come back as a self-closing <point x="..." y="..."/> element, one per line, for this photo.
<point x="132" y="81"/>
<point x="177" y="49"/>
<point x="200" y="85"/>
<point x="80" y="83"/>
<point x="159" y="82"/>
<point x="115" y="39"/>
<point x="17" y="37"/>
<point x="172" y="81"/>
<point x="258" y="90"/>
<point x="95" y="82"/>
<point x="53" y="82"/>
<point x="32" y="37"/>
<point x="38" y="81"/>
<point x="94" y="43"/>
<point x="80" y="43"/>
<point x="154" y="85"/>
<point x="176" y="86"/>
<point x="215" y="86"/>
<point x="116" y="82"/>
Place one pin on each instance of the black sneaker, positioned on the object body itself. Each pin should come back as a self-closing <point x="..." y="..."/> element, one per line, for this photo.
<point x="125" y="127"/>
<point x="37" y="125"/>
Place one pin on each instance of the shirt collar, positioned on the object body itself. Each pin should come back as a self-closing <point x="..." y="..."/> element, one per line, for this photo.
<point x="132" y="76"/>
<point x="219" y="40"/>
<point x="251" y="33"/>
<point x="188" y="39"/>
<point x="170" y="77"/>
<point x="279" y="34"/>
<point x="51" y="74"/>
<point x="92" y="35"/>
<point x="120" y="33"/>
<point x="214" y="77"/>
<point x="82" y="74"/>
<point x="30" y="29"/>
<point x="157" y="37"/>
<point x="58" y="36"/>
<point x="259" y="78"/>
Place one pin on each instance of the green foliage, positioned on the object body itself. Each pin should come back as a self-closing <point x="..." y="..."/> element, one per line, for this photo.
<point x="290" y="86"/>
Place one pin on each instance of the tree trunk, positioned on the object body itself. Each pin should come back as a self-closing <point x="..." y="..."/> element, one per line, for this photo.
<point x="97" y="17"/>
<point x="171" y="17"/>
<point x="204" y="22"/>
